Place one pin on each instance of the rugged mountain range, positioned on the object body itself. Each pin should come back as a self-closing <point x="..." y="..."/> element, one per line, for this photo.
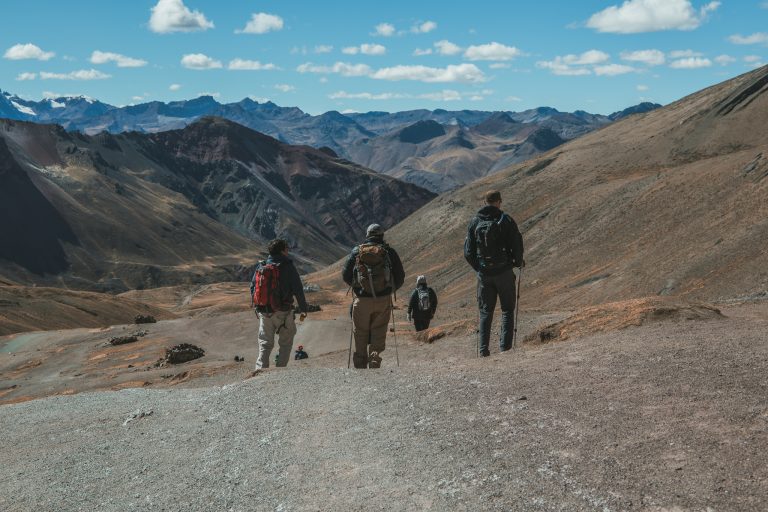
<point x="287" y="124"/>
<point x="670" y="202"/>
<point x="135" y="210"/>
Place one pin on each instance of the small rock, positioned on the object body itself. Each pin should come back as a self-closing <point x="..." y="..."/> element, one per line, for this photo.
<point x="523" y="398"/>
<point x="144" y="319"/>
<point x="137" y="415"/>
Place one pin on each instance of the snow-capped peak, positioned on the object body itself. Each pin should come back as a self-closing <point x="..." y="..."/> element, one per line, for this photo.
<point x="23" y="109"/>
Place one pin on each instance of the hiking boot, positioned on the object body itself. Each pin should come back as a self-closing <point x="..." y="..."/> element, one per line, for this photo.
<point x="485" y="353"/>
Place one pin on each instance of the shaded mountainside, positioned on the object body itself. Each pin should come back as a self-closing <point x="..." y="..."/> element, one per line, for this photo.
<point x="191" y="205"/>
<point x="671" y="202"/>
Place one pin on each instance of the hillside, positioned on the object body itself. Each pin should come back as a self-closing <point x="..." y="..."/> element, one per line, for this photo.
<point x="670" y="202"/>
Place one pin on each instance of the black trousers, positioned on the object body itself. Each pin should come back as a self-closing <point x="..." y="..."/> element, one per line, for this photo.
<point x="421" y="323"/>
<point x="489" y="288"/>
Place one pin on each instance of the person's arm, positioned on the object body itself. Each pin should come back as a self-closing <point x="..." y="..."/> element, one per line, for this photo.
<point x="398" y="273"/>
<point x="413" y="304"/>
<point x="432" y="302"/>
<point x="348" y="272"/>
<point x="297" y="289"/>
<point x="515" y="240"/>
<point x="470" y="248"/>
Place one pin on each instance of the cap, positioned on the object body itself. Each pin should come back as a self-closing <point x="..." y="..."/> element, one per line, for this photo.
<point x="374" y="230"/>
<point x="421" y="280"/>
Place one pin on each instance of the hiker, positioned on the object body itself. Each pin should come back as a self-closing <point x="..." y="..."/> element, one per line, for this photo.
<point x="423" y="304"/>
<point x="300" y="354"/>
<point x="493" y="247"/>
<point x="374" y="272"/>
<point x="274" y="285"/>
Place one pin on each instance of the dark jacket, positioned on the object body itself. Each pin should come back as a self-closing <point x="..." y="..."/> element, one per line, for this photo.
<point x="290" y="283"/>
<point x="512" y="241"/>
<point x="413" y="304"/>
<point x="398" y="274"/>
<point x="300" y="354"/>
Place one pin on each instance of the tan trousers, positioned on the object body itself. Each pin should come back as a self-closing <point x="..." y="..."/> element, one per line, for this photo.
<point x="370" y="317"/>
<point x="282" y="324"/>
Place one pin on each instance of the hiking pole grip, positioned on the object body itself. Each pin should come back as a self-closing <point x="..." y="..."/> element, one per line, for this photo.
<point x="517" y="307"/>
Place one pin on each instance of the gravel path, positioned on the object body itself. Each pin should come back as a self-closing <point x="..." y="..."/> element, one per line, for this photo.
<point x="663" y="417"/>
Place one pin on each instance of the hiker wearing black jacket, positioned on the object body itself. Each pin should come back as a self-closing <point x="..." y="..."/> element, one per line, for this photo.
<point x="493" y="247"/>
<point x="423" y="304"/>
<point x="280" y="321"/>
<point x="374" y="272"/>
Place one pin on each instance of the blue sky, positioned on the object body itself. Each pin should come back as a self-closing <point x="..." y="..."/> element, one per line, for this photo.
<point x="599" y="56"/>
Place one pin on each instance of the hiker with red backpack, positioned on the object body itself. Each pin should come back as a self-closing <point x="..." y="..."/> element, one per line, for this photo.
<point x="423" y="304"/>
<point x="274" y="285"/>
<point x="493" y="248"/>
<point x="374" y="272"/>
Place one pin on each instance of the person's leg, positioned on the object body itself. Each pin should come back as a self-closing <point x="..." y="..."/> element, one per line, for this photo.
<point x="420" y="323"/>
<point x="486" y="302"/>
<point x="285" y="335"/>
<point x="361" y="321"/>
<point x="266" y="339"/>
<point x="505" y="284"/>
<point x="380" y="315"/>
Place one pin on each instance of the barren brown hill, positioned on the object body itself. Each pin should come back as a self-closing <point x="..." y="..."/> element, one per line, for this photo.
<point x="671" y="202"/>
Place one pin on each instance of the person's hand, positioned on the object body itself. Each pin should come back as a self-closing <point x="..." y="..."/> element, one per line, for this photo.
<point x="409" y="317"/>
<point x="302" y="317"/>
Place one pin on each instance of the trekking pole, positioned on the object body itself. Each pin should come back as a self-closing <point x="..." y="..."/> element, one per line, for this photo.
<point x="394" y="332"/>
<point x="517" y="308"/>
<point x="351" y="333"/>
<point x="479" y="319"/>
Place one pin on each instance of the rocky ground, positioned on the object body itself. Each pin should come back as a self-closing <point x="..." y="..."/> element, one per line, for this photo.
<point x="668" y="415"/>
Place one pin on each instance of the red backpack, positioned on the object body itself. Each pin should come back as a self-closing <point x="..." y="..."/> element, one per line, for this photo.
<point x="265" y="288"/>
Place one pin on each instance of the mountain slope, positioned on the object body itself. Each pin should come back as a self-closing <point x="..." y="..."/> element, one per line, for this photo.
<point x="674" y="201"/>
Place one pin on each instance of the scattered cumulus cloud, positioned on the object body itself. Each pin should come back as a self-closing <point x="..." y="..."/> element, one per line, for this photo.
<point x="647" y="57"/>
<point x="200" y="61"/>
<point x="26" y="76"/>
<point x="27" y="51"/>
<point x="248" y="65"/>
<point x="680" y="54"/>
<point x="365" y="49"/>
<point x="752" y="58"/>
<point x="384" y="30"/>
<point x="636" y="16"/>
<point x="323" y="48"/>
<point x="444" y="95"/>
<point x="724" y="60"/>
<point x="82" y="74"/>
<point x="499" y="65"/>
<point x="341" y="68"/>
<point x="173" y="16"/>
<point x="418" y="52"/>
<point x="285" y="87"/>
<point x="613" y="69"/>
<point x="423" y="28"/>
<point x="216" y="95"/>
<point x="174" y="87"/>
<point x="462" y="73"/>
<point x="261" y="23"/>
<point x="492" y="51"/>
<point x="513" y="98"/>
<point x="642" y="88"/>
<point x="756" y="38"/>
<point x="691" y="63"/>
<point x="99" y="57"/>
<point x="579" y="64"/>
<point x="445" y="47"/>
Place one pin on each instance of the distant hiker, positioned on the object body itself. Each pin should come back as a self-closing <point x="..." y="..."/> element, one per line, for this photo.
<point x="423" y="304"/>
<point x="493" y="247"/>
<point x="274" y="285"/>
<point x="374" y="272"/>
<point x="300" y="354"/>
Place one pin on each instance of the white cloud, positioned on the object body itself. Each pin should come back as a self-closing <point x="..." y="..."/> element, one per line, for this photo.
<point x="285" y="87"/>
<point x="752" y="58"/>
<point x="323" y="48"/>
<point x="576" y="65"/>
<point x="211" y="94"/>
<point x="342" y="68"/>
<point x="83" y="74"/>
<point x="513" y="98"/>
<point x="199" y="61"/>
<point x="98" y="57"/>
<point x="642" y="87"/>
<point x="635" y="16"/>
<point x="445" y="95"/>
<point x="560" y="67"/>
<point x="423" y="28"/>
<point x="681" y="54"/>
<point x="249" y="65"/>
<point x="648" y="57"/>
<point x="174" y="87"/>
<point x="724" y="60"/>
<point x="26" y="76"/>
<point x="691" y="63"/>
<point x="587" y="58"/>
<point x="261" y="23"/>
<point x="477" y="97"/>
<point x="613" y="69"/>
<point x="384" y="30"/>
<point x="323" y="80"/>
<point x="464" y="73"/>
<point x="499" y="65"/>
<point x="365" y="49"/>
<point x="27" y="51"/>
<point x="756" y="38"/>
<point x="418" y="52"/>
<point x="492" y="51"/>
<point x="173" y="16"/>
<point x="447" y="48"/>
<point x="367" y="96"/>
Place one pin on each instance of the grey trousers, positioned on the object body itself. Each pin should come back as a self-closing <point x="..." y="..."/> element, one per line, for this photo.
<point x="488" y="289"/>
<point x="281" y="324"/>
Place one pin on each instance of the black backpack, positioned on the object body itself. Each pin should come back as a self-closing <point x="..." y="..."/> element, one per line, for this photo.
<point x="424" y="302"/>
<point x="489" y="240"/>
